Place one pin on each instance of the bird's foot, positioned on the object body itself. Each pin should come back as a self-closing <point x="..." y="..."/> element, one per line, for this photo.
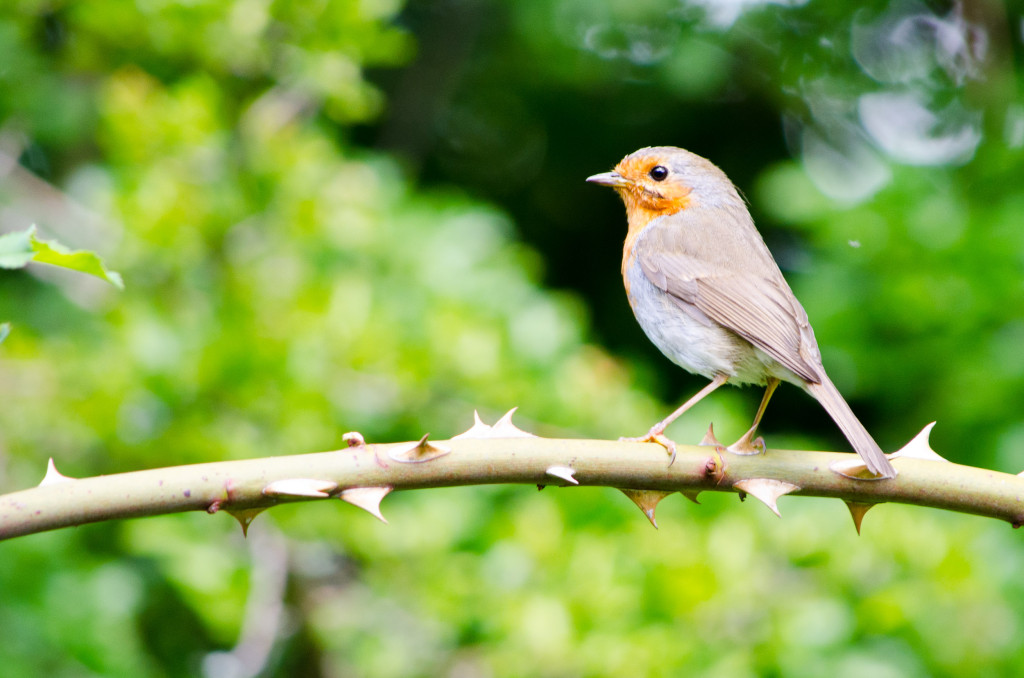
<point x="656" y="436"/>
<point x="747" y="446"/>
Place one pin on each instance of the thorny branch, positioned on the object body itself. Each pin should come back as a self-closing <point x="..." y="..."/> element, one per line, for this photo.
<point x="363" y="474"/>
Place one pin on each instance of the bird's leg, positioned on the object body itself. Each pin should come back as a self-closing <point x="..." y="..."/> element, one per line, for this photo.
<point x="657" y="432"/>
<point x="746" y="444"/>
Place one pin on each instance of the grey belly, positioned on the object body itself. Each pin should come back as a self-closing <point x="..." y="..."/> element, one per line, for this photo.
<point x="694" y="342"/>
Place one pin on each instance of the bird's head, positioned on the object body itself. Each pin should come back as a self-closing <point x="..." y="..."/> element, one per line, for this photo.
<point x="663" y="180"/>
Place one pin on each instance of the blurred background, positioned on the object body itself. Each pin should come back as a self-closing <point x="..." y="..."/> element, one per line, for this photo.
<point x="370" y="215"/>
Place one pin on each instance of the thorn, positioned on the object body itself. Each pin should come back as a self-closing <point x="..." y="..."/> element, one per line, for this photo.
<point x="418" y="452"/>
<point x="854" y="469"/>
<point x="691" y="495"/>
<point x="919" y="447"/>
<point x="478" y="430"/>
<point x="53" y="476"/>
<point x="768" y="490"/>
<point x="756" y="446"/>
<point x="504" y="428"/>
<point x="245" y="517"/>
<point x="300" y="487"/>
<point x="367" y="498"/>
<point x="857" y="510"/>
<point x="563" y="472"/>
<point x="354" y="439"/>
<point x="646" y="501"/>
<point x="709" y="437"/>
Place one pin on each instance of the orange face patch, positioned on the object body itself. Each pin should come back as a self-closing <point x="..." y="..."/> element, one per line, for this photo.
<point x="647" y="198"/>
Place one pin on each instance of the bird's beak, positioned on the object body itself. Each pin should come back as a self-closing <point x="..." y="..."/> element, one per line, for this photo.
<point x="613" y="179"/>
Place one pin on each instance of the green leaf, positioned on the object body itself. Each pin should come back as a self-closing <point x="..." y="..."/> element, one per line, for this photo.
<point x="16" y="248"/>
<point x="19" y="248"/>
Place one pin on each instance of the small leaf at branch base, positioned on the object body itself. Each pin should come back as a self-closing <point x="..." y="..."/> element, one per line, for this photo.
<point x="646" y="501"/>
<point x="367" y="498"/>
<point x="419" y="452"/>
<point x="53" y="476"/>
<point x="857" y="511"/>
<point x="300" y="487"/>
<point x="563" y="472"/>
<point x="768" y="490"/>
<point x="245" y="517"/>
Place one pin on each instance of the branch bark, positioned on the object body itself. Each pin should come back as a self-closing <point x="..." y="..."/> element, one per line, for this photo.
<point x="364" y="473"/>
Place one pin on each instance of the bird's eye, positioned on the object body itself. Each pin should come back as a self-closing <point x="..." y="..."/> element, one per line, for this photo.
<point x="658" y="173"/>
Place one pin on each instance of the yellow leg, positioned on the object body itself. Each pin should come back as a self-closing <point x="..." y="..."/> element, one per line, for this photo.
<point x="747" y="444"/>
<point x="656" y="434"/>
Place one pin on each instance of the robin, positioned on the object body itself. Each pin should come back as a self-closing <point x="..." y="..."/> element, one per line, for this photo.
<point x="706" y="290"/>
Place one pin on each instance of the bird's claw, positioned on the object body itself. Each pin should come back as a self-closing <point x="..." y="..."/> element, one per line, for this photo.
<point x="654" y="436"/>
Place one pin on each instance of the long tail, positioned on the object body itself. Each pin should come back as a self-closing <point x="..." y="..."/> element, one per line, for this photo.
<point x="830" y="398"/>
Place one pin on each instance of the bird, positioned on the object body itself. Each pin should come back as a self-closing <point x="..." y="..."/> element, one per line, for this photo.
<point x="707" y="292"/>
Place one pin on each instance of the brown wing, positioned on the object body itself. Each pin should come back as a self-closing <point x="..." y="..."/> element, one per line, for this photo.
<point x="759" y="308"/>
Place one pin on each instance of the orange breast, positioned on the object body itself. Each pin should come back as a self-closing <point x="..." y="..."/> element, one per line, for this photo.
<point x="641" y="210"/>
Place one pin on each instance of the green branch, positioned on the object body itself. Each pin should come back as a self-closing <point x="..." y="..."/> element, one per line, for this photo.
<point x="363" y="474"/>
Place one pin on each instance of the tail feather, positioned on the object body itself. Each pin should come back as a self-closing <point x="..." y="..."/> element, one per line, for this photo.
<point x="828" y="395"/>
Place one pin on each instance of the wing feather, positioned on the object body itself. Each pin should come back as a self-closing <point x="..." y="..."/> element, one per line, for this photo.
<point x="760" y="309"/>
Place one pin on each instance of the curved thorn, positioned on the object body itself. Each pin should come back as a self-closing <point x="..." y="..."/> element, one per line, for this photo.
<point x="563" y="472"/>
<point x="857" y="511"/>
<point x="768" y="490"/>
<point x="245" y="517"/>
<point x="646" y="501"/>
<point x="478" y="430"/>
<point x="709" y="437"/>
<point x="300" y="487"/>
<point x="504" y="428"/>
<point x="919" y="447"/>
<point x="419" y="452"/>
<point x="367" y="498"/>
<point x="53" y="476"/>
<point x="691" y="495"/>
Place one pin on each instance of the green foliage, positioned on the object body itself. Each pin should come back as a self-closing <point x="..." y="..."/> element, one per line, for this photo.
<point x="288" y="282"/>
<point x="18" y="248"/>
